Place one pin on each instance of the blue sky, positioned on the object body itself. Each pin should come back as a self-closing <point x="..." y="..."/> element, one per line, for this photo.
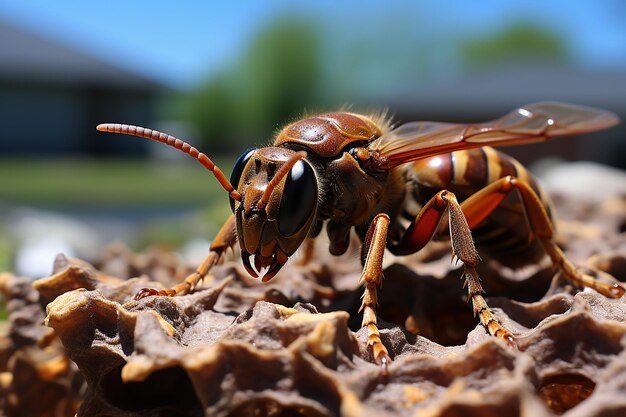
<point x="178" y="43"/>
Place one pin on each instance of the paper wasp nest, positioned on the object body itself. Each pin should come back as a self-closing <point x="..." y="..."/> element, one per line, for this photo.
<point x="288" y="348"/>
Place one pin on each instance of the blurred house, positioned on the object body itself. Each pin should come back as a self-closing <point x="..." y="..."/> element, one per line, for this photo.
<point x="485" y="96"/>
<point x="52" y="96"/>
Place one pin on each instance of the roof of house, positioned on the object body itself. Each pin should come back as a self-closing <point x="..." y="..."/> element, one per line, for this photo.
<point x="29" y="57"/>
<point x="495" y="92"/>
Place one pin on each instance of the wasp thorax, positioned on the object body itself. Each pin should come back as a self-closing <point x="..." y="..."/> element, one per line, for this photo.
<point x="279" y="201"/>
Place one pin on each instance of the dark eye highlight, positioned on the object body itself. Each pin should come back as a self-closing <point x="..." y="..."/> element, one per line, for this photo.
<point x="235" y="176"/>
<point x="299" y="199"/>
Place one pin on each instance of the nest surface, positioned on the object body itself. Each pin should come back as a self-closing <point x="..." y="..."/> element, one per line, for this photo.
<point x="293" y="347"/>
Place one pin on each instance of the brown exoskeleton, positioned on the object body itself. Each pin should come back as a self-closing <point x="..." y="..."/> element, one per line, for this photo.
<point x="355" y="171"/>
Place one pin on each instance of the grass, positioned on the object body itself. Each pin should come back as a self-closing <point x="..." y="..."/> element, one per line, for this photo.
<point x="121" y="186"/>
<point x="99" y="183"/>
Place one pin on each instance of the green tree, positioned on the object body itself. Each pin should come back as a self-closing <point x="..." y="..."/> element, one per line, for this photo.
<point x="274" y="81"/>
<point x="521" y="43"/>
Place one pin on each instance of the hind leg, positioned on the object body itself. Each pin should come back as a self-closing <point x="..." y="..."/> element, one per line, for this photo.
<point x="478" y="206"/>
<point x="421" y="231"/>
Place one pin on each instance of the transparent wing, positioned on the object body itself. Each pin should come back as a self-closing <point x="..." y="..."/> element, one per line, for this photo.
<point x="531" y="123"/>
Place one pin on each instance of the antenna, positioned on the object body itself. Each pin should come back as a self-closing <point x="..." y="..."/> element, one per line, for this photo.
<point x="175" y="143"/>
<point x="284" y="170"/>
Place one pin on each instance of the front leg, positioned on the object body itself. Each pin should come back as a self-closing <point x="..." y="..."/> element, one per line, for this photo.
<point x="373" y="250"/>
<point x="226" y="238"/>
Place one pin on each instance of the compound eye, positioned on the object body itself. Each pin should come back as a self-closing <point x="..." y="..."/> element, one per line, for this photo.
<point x="299" y="199"/>
<point x="235" y="176"/>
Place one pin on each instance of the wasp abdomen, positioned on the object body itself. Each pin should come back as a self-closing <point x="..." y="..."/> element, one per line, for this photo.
<point x="505" y="233"/>
<point x="465" y="172"/>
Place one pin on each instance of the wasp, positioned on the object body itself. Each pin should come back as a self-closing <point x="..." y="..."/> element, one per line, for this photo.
<point x="347" y="171"/>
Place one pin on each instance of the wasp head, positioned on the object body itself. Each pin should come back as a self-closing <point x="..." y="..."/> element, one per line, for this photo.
<point x="279" y="194"/>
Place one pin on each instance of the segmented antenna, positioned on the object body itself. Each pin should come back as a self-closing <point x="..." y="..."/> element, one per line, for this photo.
<point x="284" y="170"/>
<point x="175" y="143"/>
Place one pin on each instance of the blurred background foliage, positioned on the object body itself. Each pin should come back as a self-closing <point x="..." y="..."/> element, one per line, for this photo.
<point x="278" y="75"/>
<point x="226" y="77"/>
<point x="521" y="44"/>
<point x="286" y="70"/>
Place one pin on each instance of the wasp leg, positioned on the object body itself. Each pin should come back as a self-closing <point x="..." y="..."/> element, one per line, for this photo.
<point x="225" y="238"/>
<point x="478" y="206"/>
<point x="421" y="231"/>
<point x="373" y="250"/>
